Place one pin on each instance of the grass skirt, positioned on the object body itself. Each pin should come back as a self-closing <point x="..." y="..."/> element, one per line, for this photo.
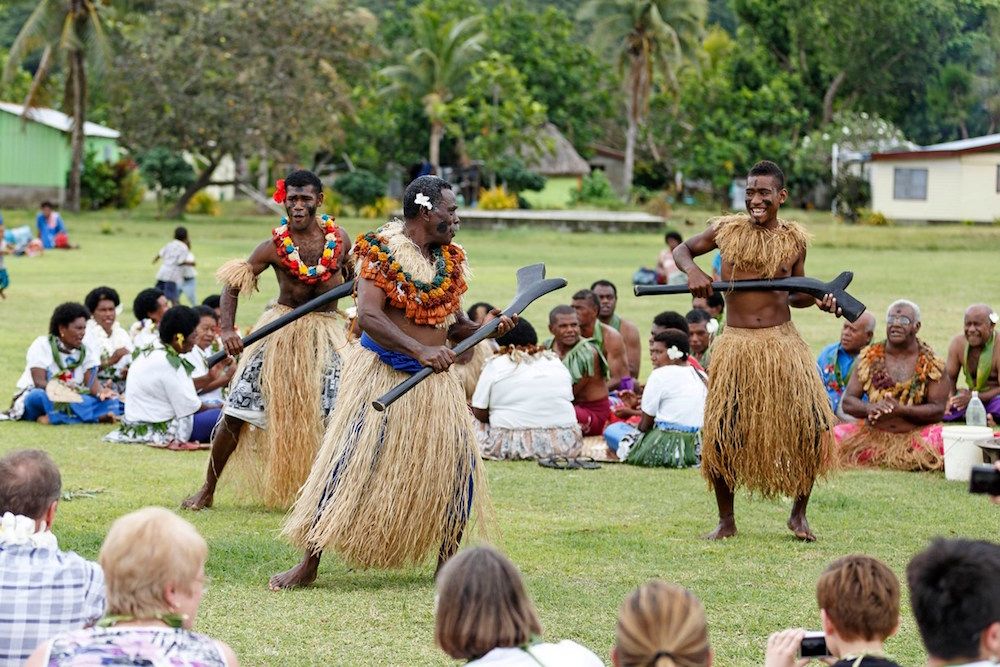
<point x="270" y="464"/>
<point x="861" y="445"/>
<point x="389" y="488"/>
<point x="767" y="417"/>
<point x="663" y="448"/>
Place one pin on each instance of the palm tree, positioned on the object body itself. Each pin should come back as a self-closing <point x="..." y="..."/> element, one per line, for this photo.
<point x="69" y="31"/>
<point x="645" y="37"/>
<point x="437" y="70"/>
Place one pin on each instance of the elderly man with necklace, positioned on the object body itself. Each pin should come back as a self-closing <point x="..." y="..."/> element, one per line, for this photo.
<point x="975" y="353"/>
<point x="388" y="488"/>
<point x="907" y="392"/>
<point x="286" y="384"/>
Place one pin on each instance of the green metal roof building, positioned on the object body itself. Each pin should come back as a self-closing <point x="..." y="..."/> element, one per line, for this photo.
<point x="35" y="155"/>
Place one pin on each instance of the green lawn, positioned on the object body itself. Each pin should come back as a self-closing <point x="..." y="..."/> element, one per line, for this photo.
<point x="582" y="538"/>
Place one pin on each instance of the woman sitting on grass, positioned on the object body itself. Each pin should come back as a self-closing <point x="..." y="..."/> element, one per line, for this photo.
<point x="148" y="307"/>
<point x="484" y="616"/>
<point x="154" y="569"/>
<point x="106" y="336"/>
<point x="673" y="407"/>
<point x="162" y="407"/>
<point x="60" y="384"/>
<point x="661" y="625"/>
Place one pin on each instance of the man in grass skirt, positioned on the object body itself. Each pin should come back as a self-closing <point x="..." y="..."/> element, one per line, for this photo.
<point x="389" y="488"/>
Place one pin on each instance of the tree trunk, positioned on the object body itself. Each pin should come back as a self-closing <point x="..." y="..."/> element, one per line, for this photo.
<point x="177" y="210"/>
<point x="79" y="102"/>
<point x="437" y="133"/>
<point x="963" y="128"/>
<point x="831" y="93"/>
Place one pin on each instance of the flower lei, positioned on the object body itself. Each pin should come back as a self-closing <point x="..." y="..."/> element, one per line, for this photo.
<point x="65" y="370"/>
<point x="878" y="383"/>
<point x="424" y="303"/>
<point x="173" y="357"/>
<point x="289" y="253"/>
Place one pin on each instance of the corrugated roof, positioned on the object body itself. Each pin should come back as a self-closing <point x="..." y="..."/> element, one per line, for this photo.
<point x="986" y="142"/>
<point x="59" y="121"/>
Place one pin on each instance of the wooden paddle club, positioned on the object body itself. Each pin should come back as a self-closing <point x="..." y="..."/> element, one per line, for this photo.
<point x="850" y="307"/>
<point x="531" y="284"/>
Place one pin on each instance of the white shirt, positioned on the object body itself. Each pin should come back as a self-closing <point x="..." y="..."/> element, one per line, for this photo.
<point x="564" y="654"/>
<point x="172" y="255"/>
<point x="199" y="357"/>
<point x="534" y="392"/>
<point x="188" y="271"/>
<point x="157" y="392"/>
<point x="675" y="394"/>
<point x="40" y="356"/>
<point x="144" y="333"/>
<point x="104" y="343"/>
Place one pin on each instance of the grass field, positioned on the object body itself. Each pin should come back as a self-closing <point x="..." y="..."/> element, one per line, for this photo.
<point x="582" y="538"/>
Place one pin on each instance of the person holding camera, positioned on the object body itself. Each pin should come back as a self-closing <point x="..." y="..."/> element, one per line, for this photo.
<point x="858" y="598"/>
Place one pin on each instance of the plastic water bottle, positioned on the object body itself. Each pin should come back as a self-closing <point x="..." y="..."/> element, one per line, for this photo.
<point x="975" y="413"/>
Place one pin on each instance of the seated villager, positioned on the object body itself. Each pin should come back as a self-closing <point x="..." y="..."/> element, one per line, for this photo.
<point x="673" y="407"/>
<point x="670" y="319"/>
<point x="607" y="295"/>
<point x="976" y="355"/>
<point x="525" y="399"/>
<point x="148" y="307"/>
<point x="667" y="272"/>
<point x="60" y="384"/>
<point x="51" y="228"/>
<point x="209" y="382"/>
<point x="701" y="332"/>
<point x="106" y="336"/>
<point x="608" y="341"/>
<point x="162" y="407"/>
<point x="907" y="392"/>
<point x="588" y="369"/>
<point x="478" y="311"/>
<point x="836" y="361"/>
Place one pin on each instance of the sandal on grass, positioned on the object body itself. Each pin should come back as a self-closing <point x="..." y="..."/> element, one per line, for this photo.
<point x="556" y="462"/>
<point x="584" y="462"/>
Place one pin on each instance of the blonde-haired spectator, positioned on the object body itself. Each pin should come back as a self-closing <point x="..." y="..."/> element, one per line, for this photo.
<point x="661" y="625"/>
<point x="484" y="616"/>
<point x="154" y="568"/>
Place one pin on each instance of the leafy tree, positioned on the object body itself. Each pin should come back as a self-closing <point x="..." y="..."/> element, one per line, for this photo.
<point x="949" y="96"/>
<point x="17" y="88"/>
<point x="168" y="173"/>
<point x="239" y="78"/>
<point x="436" y="71"/>
<point x="360" y="188"/>
<point x="70" y="32"/>
<point x="645" y="37"/>
<point x="517" y="177"/>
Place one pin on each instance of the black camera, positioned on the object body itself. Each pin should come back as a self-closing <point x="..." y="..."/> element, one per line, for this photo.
<point x="814" y="646"/>
<point x="985" y="479"/>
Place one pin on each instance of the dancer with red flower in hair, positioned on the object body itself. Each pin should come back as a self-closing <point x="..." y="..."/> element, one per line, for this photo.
<point x="285" y="385"/>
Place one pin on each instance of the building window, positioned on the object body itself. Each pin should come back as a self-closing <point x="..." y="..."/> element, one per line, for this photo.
<point x="909" y="184"/>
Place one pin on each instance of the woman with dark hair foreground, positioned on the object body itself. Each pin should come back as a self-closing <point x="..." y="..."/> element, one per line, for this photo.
<point x="60" y="384"/>
<point x="484" y="616"/>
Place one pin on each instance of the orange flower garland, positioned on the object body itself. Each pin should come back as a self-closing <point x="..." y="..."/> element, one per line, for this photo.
<point x="289" y="253"/>
<point x="878" y="383"/>
<point x="424" y="303"/>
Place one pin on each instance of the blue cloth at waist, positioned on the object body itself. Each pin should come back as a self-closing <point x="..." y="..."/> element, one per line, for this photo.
<point x="671" y="426"/>
<point x="397" y="360"/>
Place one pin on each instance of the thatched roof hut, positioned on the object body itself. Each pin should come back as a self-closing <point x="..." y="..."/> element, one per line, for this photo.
<point x="555" y="155"/>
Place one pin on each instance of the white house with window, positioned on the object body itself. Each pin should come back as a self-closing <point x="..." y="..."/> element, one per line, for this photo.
<point x="955" y="181"/>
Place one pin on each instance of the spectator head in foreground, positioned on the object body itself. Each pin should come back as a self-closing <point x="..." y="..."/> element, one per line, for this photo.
<point x="482" y="608"/>
<point x="30" y="486"/>
<point x="661" y="625"/>
<point x="955" y="596"/>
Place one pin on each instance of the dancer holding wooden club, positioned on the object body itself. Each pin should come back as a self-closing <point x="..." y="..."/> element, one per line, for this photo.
<point x="767" y="418"/>
<point x="389" y="487"/>
<point x="285" y="385"/>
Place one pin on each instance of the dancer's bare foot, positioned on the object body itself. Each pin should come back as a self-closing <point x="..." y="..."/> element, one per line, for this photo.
<point x="726" y="528"/>
<point x="799" y="526"/>
<point x="302" y="574"/>
<point x="200" y="500"/>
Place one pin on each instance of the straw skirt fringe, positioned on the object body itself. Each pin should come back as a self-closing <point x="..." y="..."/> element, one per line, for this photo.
<point x="271" y="464"/>
<point x="389" y="488"/>
<point x="767" y="419"/>
<point x="864" y="445"/>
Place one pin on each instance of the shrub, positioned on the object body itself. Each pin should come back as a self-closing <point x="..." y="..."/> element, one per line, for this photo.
<point x="381" y="209"/>
<point x="130" y="187"/>
<point x="333" y="204"/>
<point x="517" y="177"/>
<point x="873" y="218"/>
<point x="360" y="188"/>
<point x="202" y="203"/>
<point x="596" y="190"/>
<point x="97" y="182"/>
<point x="497" y="199"/>
<point x="851" y="193"/>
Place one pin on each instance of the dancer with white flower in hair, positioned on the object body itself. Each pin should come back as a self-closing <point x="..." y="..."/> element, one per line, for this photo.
<point x="286" y="385"/>
<point x="388" y="488"/>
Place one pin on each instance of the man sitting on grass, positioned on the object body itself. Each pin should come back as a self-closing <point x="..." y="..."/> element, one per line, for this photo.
<point x="836" y="361"/>
<point x="587" y="368"/>
<point x="858" y="600"/>
<point x="45" y="591"/>
<point x="608" y="341"/>
<point x="975" y="353"/>
<point x="906" y="395"/>
<point x="955" y="596"/>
